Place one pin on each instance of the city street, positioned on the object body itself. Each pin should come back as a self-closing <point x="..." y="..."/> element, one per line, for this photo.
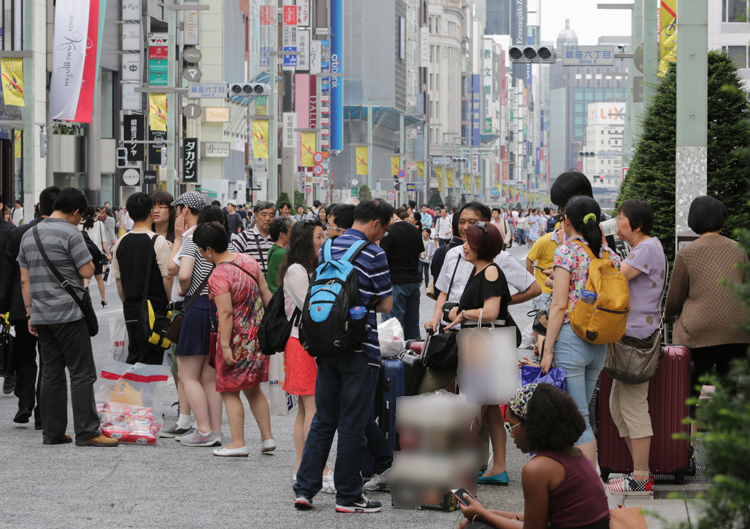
<point x="140" y="486"/>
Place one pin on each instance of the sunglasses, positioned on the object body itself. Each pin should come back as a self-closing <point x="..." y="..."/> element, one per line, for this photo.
<point x="509" y="428"/>
<point x="482" y="226"/>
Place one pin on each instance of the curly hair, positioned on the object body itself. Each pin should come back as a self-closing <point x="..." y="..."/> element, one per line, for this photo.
<point x="553" y="421"/>
<point x="301" y="249"/>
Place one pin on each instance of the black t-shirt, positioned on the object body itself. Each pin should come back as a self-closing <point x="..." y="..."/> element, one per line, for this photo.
<point x="132" y="253"/>
<point x="479" y="289"/>
<point x="235" y="223"/>
<point x="402" y="245"/>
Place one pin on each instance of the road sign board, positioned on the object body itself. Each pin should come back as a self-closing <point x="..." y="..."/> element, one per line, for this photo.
<point x="318" y="157"/>
<point x="588" y="55"/>
<point x="157" y="78"/>
<point x="192" y="74"/>
<point x="192" y="55"/>
<point x="402" y="174"/>
<point x="318" y="170"/>
<point x="411" y="186"/>
<point x="158" y="65"/>
<point x="207" y="90"/>
<point x="355" y="192"/>
<point x="391" y="195"/>
<point x="355" y="182"/>
<point x="192" y="111"/>
<point x="131" y="177"/>
<point x="441" y="161"/>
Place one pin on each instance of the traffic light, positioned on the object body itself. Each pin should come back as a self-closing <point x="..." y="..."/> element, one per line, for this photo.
<point x="249" y="89"/>
<point x="122" y="157"/>
<point x="396" y="183"/>
<point x="532" y="54"/>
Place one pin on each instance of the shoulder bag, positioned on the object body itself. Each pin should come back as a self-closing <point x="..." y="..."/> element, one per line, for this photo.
<point x="635" y="360"/>
<point x="173" y="331"/>
<point x="262" y="258"/>
<point x="153" y="326"/>
<point x="441" y="351"/>
<point x="84" y="302"/>
<point x="7" y="343"/>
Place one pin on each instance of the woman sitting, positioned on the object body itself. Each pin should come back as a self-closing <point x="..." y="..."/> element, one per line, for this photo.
<point x="561" y="489"/>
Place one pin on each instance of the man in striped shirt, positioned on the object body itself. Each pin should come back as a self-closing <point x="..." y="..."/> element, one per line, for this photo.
<point x="345" y="387"/>
<point x="257" y="241"/>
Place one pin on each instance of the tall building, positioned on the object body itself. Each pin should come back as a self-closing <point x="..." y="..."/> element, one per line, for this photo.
<point x="602" y="148"/>
<point x="729" y="31"/>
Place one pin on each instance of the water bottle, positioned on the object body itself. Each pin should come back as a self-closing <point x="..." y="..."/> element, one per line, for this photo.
<point x="357" y="313"/>
<point x="588" y="296"/>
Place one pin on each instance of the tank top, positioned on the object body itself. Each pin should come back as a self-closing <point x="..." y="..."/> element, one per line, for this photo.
<point x="580" y="500"/>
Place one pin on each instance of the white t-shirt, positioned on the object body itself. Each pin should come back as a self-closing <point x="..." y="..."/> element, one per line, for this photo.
<point x="296" y="283"/>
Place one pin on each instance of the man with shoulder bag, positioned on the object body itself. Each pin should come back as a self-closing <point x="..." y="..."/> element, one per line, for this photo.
<point x="54" y="261"/>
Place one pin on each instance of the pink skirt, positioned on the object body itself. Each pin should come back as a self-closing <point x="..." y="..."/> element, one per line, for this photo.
<point x="301" y="370"/>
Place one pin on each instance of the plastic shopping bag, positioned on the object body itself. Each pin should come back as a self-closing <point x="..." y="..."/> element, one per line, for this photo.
<point x="129" y="401"/>
<point x="391" y="338"/>
<point x="533" y="374"/>
<point x="282" y="403"/>
<point x="118" y="339"/>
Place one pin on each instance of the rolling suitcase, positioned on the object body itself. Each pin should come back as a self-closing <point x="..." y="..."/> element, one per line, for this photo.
<point x="390" y="387"/>
<point x="667" y="395"/>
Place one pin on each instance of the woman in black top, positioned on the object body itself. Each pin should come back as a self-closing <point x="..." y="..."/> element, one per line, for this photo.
<point x="487" y="296"/>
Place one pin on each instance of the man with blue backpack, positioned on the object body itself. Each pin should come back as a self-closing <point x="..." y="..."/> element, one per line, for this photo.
<point x="339" y="328"/>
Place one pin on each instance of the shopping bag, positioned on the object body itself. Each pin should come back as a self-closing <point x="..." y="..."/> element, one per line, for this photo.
<point x="118" y="339"/>
<point x="129" y="401"/>
<point x="487" y="364"/>
<point x="282" y="403"/>
<point x="391" y="338"/>
<point x="555" y="376"/>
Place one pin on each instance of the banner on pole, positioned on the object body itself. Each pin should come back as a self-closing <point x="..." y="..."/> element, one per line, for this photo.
<point x="362" y="160"/>
<point x="450" y="178"/>
<point x="260" y="138"/>
<point x="68" y="57"/>
<point x="667" y="34"/>
<point x="12" y="74"/>
<point x="308" y="148"/>
<point x="157" y="111"/>
<point x="395" y="165"/>
<point x="420" y="169"/>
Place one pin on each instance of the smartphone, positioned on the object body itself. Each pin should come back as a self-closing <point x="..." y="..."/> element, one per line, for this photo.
<point x="539" y="268"/>
<point x="459" y="494"/>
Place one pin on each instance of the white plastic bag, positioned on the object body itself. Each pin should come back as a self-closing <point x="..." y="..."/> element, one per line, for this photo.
<point x="391" y="338"/>
<point x="118" y="339"/>
<point x="282" y="403"/>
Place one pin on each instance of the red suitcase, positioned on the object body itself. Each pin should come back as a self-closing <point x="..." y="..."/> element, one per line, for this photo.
<point x="667" y="393"/>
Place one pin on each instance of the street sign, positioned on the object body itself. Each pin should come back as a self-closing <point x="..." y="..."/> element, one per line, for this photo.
<point x="149" y="177"/>
<point x="192" y="111"/>
<point x="355" y="182"/>
<point x="207" y="90"/>
<point x="192" y="55"/>
<point x="355" y="192"/>
<point x="157" y="78"/>
<point x="318" y="157"/>
<point x="318" y="170"/>
<point x="391" y="195"/>
<point x="192" y="74"/>
<point x="441" y="161"/>
<point x="402" y="173"/>
<point x="411" y="186"/>
<point x="158" y="65"/>
<point x="131" y="177"/>
<point x="588" y="55"/>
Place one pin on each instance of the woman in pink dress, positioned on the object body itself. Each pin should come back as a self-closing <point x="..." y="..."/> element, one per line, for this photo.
<point x="240" y="292"/>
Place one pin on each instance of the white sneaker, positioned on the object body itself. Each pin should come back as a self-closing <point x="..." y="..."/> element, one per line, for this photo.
<point x="269" y="445"/>
<point x="377" y="483"/>
<point x="243" y="451"/>
<point x="328" y="486"/>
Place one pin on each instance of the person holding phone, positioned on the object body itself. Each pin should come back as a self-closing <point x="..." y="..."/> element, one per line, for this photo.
<point x="561" y="488"/>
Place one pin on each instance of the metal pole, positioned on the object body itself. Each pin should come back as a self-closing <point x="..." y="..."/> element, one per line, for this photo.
<point x="319" y="133"/>
<point x="29" y="159"/>
<point x="272" y="187"/>
<point x="426" y="165"/>
<point x="171" y="100"/>
<point x="402" y="155"/>
<point x="650" y="48"/>
<point x="369" y="145"/>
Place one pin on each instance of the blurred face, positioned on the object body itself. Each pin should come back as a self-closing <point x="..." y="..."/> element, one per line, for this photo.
<point x="468" y="218"/>
<point x="517" y="432"/>
<point x="412" y="219"/>
<point x="264" y="218"/>
<point x="444" y="213"/>
<point x="333" y="230"/>
<point x="161" y="213"/>
<point x="495" y="215"/>
<point x="285" y="211"/>
<point x="318" y="239"/>
<point x="300" y="210"/>
<point x="425" y="235"/>
<point x="424" y="209"/>
<point x="230" y="208"/>
<point x="322" y="215"/>
<point x="624" y="231"/>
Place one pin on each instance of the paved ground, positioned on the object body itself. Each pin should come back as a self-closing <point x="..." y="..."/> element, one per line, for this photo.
<point x="136" y="486"/>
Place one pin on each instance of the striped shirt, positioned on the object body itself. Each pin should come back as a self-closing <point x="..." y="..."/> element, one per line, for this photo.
<point x="374" y="282"/>
<point x="201" y="267"/>
<point x="253" y="243"/>
<point x="67" y="250"/>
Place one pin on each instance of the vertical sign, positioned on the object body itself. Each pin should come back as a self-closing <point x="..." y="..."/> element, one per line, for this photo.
<point x="190" y="35"/>
<point x="425" y="48"/>
<point x="289" y="134"/>
<point x="302" y="106"/>
<point x="290" y="15"/>
<point x="313" y="102"/>
<point x="303" y="48"/>
<point x="289" y="43"/>
<point x="131" y="9"/>
<point x="154" y="149"/>
<point x="190" y="160"/>
<point x="337" y="66"/>
<point x="267" y="33"/>
<point x="134" y="131"/>
<point x="488" y="84"/>
<point x="303" y="13"/>
<point x="314" y="62"/>
<point x="476" y="104"/>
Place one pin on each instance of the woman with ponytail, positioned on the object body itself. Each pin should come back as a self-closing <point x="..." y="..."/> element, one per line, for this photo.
<point x="581" y="360"/>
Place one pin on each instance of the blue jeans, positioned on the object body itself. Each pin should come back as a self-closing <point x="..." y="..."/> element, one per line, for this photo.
<point x="406" y="309"/>
<point x="344" y="393"/>
<point x="521" y="239"/>
<point x="424" y="271"/>
<point x="378" y="447"/>
<point x="582" y="361"/>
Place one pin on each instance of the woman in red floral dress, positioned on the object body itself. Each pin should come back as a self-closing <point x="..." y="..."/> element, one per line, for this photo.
<point x="240" y="292"/>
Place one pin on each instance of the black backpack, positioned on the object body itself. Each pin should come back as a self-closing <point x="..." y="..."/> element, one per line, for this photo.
<point x="275" y="328"/>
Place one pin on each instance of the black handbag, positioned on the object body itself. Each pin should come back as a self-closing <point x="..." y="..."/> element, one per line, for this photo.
<point x="441" y="352"/>
<point x="84" y="302"/>
<point x="7" y="366"/>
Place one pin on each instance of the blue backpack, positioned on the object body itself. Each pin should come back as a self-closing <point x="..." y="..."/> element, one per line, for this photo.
<point x="327" y="328"/>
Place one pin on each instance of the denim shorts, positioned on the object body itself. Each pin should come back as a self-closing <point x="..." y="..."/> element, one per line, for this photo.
<point x="582" y="361"/>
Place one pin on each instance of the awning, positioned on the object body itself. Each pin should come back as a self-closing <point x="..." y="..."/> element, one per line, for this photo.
<point x="386" y="117"/>
<point x="489" y="138"/>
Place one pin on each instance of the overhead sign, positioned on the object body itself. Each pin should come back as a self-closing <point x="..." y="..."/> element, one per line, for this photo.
<point x="154" y="149"/>
<point x="149" y="177"/>
<point x="588" y="55"/>
<point x="216" y="115"/>
<point x="441" y="161"/>
<point x="318" y="170"/>
<point x="215" y="149"/>
<point x="131" y="177"/>
<point x="289" y="43"/>
<point x="193" y="74"/>
<point x="207" y="90"/>
<point x="131" y="66"/>
<point x="190" y="35"/>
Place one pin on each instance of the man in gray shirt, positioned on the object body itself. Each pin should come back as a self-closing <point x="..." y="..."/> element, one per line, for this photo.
<point x="55" y="318"/>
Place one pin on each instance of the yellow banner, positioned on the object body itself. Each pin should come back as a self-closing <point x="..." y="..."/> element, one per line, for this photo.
<point x="395" y="165"/>
<point x="440" y="185"/>
<point x="362" y="160"/>
<point x="478" y="183"/>
<point x="449" y="176"/>
<point x="308" y="149"/>
<point x="17" y="143"/>
<point x="12" y="74"/>
<point x="439" y="174"/>
<point x="260" y="138"/>
<point x="420" y="169"/>
<point x="157" y="109"/>
<point x="668" y="34"/>
<point x="467" y="183"/>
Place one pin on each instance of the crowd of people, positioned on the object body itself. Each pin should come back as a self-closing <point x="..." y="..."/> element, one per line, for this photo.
<point x="221" y="266"/>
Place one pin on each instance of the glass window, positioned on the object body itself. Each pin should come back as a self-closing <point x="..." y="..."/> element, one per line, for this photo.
<point x="734" y="11"/>
<point x="579" y="119"/>
<point x="738" y="55"/>
<point x="578" y="95"/>
<point x="579" y="107"/>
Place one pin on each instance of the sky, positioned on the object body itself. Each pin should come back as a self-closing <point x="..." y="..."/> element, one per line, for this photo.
<point x="585" y="19"/>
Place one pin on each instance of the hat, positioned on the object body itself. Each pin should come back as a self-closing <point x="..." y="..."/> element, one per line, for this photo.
<point x="520" y="402"/>
<point x="191" y="199"/>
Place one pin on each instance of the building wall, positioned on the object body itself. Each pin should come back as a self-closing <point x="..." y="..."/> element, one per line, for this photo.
<point x="728" y="29"/>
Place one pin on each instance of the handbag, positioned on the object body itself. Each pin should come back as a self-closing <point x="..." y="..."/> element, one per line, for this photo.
<point x="153" y="326"/>
<point x="84" y="302"/>
<point x="7" y="340"/>
<point x="555" y="376"/>
<point x="430" y="290"/>
<point x="173" y="331"/>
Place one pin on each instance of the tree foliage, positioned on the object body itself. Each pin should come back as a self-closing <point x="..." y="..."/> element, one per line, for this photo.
<point x="299" y="199"/>
<point x="364" y="193"/>
<point x="652" y="171"/>
<point x="435" y="199"/>
<point x="283" y="197"/>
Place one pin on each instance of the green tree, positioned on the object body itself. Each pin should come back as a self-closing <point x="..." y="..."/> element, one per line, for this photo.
<point x="283" y="197"/>
<point x="435" y="199"/>
<point x="299" y="199"/>
<point x="449" y="201"/>
<point x="364" y="193"/>
<point x="652" y="171"/>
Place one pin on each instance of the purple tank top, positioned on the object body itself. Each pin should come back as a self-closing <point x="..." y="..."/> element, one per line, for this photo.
<point x="580" y="499"/>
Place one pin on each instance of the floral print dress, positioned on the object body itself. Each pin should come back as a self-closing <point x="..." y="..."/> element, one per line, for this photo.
<point x="252" y="366"/>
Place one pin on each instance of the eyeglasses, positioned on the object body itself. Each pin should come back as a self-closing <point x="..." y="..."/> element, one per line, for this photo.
<point x="621" y="218"/>
<point x="509" y="428"/>
<point x="483" y="226"/>
<point x="329" y="227"/>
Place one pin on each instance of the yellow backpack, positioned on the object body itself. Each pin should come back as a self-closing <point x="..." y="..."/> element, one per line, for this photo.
<point x="603" y="322"/>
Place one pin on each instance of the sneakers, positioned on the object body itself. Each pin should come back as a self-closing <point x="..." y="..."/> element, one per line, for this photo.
<point x="65" y="439"/>
<point x="190" y="431"/>
<point x="617" y="480"/>
<point x="198" y="439"/>
<point x="377" y="483"/>
<point x="269" y="445"/>
<point x="243" y="451"/>
<point x="9" y="384"/>
<point x="328" y="486"/>
<point x="23" y="416"/>
<point x="630" y="486"/>
<point x="99" y="440"/>
<point x="303" y="504"/>
<point x="174" y="431"/>
<point x="362" y="505"/>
